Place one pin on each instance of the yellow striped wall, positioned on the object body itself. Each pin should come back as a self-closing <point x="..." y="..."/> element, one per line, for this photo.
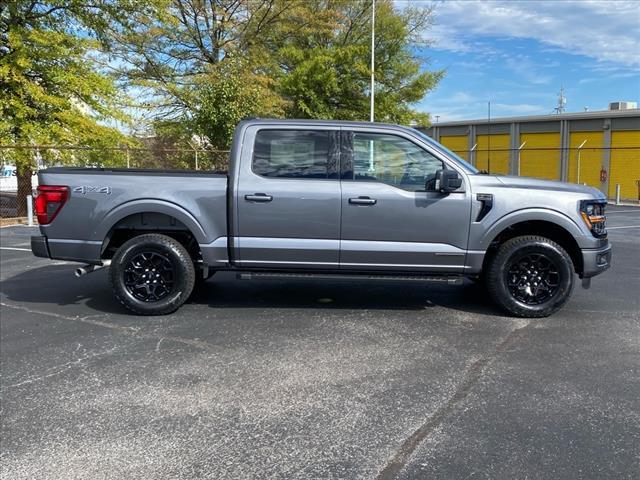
<point x="542" y="153"/>
<point x="590" y="157"/>
<point x="624" y="167"/>
<point x="458" y="143"/>
<point x="540" y="163"/>
<point x="499" y="154"/>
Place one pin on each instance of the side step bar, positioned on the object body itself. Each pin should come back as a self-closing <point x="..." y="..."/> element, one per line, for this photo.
<point x="448" y="279"/>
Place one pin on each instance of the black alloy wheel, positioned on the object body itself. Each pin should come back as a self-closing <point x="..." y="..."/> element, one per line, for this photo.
<point x="149" y="276"/>
<point x="533" y="278"/>
<point x="530" y="276"/>
<point x="152" y="274"/>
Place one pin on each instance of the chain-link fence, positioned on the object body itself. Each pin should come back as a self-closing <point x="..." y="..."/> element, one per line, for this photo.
<point x="614" y="171"/>
<point x="20" y="165"/>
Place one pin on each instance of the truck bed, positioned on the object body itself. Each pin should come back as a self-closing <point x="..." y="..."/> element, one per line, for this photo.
<point x="103" y="199"/>
<point x="134" y="171"/>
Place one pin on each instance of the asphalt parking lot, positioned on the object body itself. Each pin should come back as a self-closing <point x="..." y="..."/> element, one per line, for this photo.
<point x="301" y="379"/>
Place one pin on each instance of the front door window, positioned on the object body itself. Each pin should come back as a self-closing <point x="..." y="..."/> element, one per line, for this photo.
<point x="392" y="160"/>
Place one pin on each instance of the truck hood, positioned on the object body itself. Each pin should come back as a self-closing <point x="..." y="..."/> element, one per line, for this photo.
<point x="537" y="184"/>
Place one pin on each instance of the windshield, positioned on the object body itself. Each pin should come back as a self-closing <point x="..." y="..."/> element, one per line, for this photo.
<point x="445" y="150"/>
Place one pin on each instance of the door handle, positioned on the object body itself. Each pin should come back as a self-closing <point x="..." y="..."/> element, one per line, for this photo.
<point x="363" y="201"/>
<point x="258" y="197"/>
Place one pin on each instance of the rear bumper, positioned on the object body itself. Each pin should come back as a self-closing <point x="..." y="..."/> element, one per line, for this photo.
<point x="595" y="261"/>
<point x="85" y="251"/>
<point x="39" y="246"/>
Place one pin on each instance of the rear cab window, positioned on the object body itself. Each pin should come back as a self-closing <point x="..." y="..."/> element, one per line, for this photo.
<point x="299" y="154"/>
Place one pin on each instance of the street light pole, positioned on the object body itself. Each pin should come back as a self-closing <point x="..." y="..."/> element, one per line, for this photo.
<point x="373" y="46"/>
<point x="519" y="150"/>
<point x="578" y="166"/>
<point x="373" y="86"/>
<point x="489" y="137"/>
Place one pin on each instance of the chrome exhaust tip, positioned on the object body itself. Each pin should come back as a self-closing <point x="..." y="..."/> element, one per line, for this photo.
<point x="82" y="271"/>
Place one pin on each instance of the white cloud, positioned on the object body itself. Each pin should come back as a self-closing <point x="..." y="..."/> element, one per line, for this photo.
<point x="462" y="105"/>
<point x="518" y="108"/>
<point x="526" y="69"/>
<point x="607" y="31"/>
<point x="462" y="97"/>
<point x="443" y="40"/>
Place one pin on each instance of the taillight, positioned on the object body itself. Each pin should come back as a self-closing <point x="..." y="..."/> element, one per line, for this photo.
<point x="49" y="201"/>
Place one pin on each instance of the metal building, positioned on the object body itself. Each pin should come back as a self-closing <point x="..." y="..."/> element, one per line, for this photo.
<point x="600" y="148"/>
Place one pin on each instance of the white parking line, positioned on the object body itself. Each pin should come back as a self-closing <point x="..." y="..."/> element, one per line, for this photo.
<point x="19" y="225"/>
<point x="16" y="249"/>
<point x="625" y="226"/>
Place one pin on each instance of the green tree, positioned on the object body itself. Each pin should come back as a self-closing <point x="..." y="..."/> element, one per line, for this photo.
<point x="202" y="65"/>
<point x="228" y="94"/>
<point x="175" y="46"/>
<point x="51" y="89"/>
<point x="212" y="63"/>
<point x="326" y="72"/>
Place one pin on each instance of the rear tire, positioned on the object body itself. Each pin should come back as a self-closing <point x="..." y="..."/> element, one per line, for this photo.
<point x="530" y="276"/>
<point x="152" y="274"/>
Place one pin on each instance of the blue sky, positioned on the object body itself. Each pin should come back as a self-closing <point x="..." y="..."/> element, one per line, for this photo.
<point x="517" y="54"/>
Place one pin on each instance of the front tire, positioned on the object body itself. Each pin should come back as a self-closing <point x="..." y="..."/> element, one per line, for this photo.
<point x="530" y="276"/>
<point x="152" y="274"/>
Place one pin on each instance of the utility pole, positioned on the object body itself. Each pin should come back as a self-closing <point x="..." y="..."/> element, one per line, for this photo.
<point x="373" y="46"/>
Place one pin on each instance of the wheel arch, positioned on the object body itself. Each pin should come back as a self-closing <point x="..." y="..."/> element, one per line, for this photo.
<point x="151" y="206"/>
<point x="554" y="226"/>
<point x="137" y="218"/>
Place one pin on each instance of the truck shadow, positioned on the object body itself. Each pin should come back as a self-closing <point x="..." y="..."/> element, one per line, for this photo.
<point x="224" y="290"/>
<point x="56" y="285"/>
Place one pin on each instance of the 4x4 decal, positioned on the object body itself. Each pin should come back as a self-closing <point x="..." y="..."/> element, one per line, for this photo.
<point x="84" y="189"/>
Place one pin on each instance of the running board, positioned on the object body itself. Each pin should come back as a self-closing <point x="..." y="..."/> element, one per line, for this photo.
<point x="448" y="279"/>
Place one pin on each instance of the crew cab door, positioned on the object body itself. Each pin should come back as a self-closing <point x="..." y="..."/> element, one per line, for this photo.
<point x="390" y="221"/>
<point x="288" y="198"/>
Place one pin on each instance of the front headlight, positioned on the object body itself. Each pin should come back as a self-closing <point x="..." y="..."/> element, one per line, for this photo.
<point x="592" y="212"/>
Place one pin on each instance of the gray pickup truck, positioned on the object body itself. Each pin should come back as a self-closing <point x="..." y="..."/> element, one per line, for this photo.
<point x="325" y="198"/>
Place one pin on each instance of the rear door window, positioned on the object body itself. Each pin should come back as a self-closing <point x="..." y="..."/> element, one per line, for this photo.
<point x="302" y="154"/>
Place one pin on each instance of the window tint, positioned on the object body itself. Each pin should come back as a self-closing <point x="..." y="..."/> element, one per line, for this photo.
<point x="392" y="160"/>
<point x="292" y="154"/>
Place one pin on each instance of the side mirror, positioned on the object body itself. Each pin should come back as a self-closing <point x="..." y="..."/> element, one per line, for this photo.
<point x="447" y="181"/>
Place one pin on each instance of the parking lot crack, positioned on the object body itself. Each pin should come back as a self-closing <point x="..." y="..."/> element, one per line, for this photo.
<point x="471" y="377"/>
<point x="59" y="369"/>
<point x="90" y="319"/>
<point x="86" y="319"/>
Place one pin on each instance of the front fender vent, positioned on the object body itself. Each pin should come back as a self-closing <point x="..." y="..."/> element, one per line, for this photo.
<point x="486" y="199"/>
